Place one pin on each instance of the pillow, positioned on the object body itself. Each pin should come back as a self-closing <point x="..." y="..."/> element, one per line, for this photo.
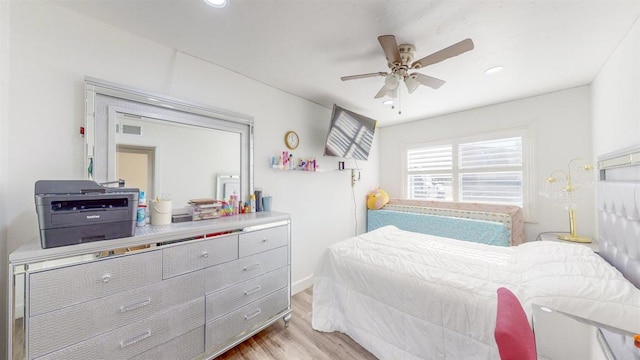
<point x="513" y="333"/>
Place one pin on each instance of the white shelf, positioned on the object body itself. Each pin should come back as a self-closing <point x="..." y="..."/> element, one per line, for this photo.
<point x="298" y="170"/>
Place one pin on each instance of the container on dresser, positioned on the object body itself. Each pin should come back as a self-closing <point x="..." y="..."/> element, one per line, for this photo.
<point x="181" y="291"/>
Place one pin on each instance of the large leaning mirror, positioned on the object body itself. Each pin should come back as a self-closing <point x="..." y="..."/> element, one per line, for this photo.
<point x="168" y="148"/>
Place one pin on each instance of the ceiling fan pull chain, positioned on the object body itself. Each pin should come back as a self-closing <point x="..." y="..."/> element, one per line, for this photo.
<point x="399" y="102"/>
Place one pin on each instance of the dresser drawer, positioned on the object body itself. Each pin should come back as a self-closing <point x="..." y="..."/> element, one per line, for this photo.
<point x="136" y="338"/>
<point x="185" y="347"/>
<point x="234" y="297"/>
<point x="229" y="328"/>
<point x="181" y="259"/>
<point x="224" y="275"/>
<point x="60" y="328"/>
<point x="261" y="240"/>
<point x="58" y="288"/>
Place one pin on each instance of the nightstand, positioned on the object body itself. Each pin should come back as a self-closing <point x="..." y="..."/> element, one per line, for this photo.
<point x="554" y="237"/>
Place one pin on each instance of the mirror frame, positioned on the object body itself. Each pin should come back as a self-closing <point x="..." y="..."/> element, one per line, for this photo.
<point x="103" y="99"/>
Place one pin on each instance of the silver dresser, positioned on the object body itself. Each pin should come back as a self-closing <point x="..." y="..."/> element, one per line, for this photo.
<point x="181" y="291"/>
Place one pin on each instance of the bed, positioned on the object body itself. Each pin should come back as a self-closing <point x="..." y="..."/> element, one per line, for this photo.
<point x="406" y="295"/>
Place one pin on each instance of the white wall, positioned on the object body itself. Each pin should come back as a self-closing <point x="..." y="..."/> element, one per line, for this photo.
<point x="615" y="96"/>
<point x="561" y="125"/>
<point x="51" y="51"/>
<point x="4" y="153"/>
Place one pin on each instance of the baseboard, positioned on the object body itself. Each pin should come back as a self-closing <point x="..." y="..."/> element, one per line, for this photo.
<point x="301" y="284"/>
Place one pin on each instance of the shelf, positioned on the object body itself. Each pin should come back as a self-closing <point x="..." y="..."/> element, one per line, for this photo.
<point x="354" y="178"/>
<point x="298" y="170"/>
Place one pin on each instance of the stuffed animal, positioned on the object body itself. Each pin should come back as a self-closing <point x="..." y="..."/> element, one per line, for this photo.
<point x="376" y="199"/>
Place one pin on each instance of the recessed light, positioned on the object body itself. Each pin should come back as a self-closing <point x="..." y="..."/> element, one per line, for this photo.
<point x="494" y="70"/>
<point x="388" y="102"/>
<point x="216" y="3"/>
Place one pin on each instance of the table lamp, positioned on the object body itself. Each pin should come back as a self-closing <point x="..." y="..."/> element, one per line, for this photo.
<point x="567" y="192"/>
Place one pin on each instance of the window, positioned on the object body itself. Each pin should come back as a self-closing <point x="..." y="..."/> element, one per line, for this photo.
<point x="488" y="169"/>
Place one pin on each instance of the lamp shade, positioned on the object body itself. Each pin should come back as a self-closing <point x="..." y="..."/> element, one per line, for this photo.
<point x="411" y="83"/>
<point x="391" y="81"/>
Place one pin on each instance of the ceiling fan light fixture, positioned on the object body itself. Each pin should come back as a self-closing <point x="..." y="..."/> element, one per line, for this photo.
<point x="391" y="81"/>
<point x="400" y="62"/>
<point x="216" y="3"/>
<point x="494" y="70"/>
<point x="411" y="83"/>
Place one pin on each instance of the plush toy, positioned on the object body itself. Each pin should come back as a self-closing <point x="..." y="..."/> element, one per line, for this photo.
<point x="376" y="199"/>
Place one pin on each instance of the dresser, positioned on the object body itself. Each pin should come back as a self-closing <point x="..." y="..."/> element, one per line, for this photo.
<point x="180" y="291"/>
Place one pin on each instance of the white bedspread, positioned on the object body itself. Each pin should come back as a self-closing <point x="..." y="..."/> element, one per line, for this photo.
<point x="404" y="295"/>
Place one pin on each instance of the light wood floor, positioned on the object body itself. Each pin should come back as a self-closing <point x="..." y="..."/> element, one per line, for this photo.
<point x="299" y="341"/>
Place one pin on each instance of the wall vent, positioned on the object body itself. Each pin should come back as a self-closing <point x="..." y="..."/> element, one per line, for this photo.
<point x="131" y="129"/>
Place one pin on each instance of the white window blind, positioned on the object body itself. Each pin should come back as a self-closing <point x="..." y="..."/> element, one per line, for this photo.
<point x="431" y="187"/>
<point x="430" y="174"/>
<point x="489" y="171"/>
<point x="431" y="158"/>
<point x="491" y="153"/>
<point x="492" y="187"/>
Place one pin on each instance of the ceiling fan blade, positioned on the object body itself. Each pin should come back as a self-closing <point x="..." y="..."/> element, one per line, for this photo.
<point x="453" y="50"/>
<point x="427" y="80"/>
<point x="390" y="48"/>
<point x="385" y="91"/>
<point x="362" y="76"/>
<point x="381" y="93"/>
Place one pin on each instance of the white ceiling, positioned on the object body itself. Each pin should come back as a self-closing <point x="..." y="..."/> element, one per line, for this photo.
<point x="303" y="47"/>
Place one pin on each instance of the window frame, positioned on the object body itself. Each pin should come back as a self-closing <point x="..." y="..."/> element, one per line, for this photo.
<point x="529" y="183"/>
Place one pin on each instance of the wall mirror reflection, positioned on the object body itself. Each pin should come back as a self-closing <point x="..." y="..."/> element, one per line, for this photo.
<point x="166" y="147"/>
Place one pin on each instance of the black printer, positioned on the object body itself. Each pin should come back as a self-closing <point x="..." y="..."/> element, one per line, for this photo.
<point x="79" y="211"/>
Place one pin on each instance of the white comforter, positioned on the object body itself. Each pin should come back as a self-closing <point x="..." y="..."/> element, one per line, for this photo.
<point x="404" y="295"/>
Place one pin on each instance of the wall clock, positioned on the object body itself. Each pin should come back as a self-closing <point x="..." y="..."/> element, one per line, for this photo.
<point x="291" y="139"/>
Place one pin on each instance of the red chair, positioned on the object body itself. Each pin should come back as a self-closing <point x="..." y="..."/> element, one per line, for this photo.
<point x="513" y="333"/>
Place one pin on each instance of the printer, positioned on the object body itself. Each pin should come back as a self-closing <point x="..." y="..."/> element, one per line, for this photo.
<point x="79" y="211"/>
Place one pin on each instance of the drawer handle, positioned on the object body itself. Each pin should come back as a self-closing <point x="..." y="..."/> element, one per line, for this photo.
<point x="265" y="240"/>
<point x="254" y="290"/>
<point x="144" y="303"/>
<point x="135" y="339"/>
<point x="253" y="314"/>
<point x="205" y="254"/>
<point x="106" y="278"/>
<point x="251" y="267"/>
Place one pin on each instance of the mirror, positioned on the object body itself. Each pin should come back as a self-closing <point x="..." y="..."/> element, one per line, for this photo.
<point x="166" y="147"/>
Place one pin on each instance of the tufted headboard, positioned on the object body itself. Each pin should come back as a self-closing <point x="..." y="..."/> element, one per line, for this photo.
<point x="619" y="211"/>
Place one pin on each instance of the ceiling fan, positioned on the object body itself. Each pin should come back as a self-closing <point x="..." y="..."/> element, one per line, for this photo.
<point x="400" y="62"/>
